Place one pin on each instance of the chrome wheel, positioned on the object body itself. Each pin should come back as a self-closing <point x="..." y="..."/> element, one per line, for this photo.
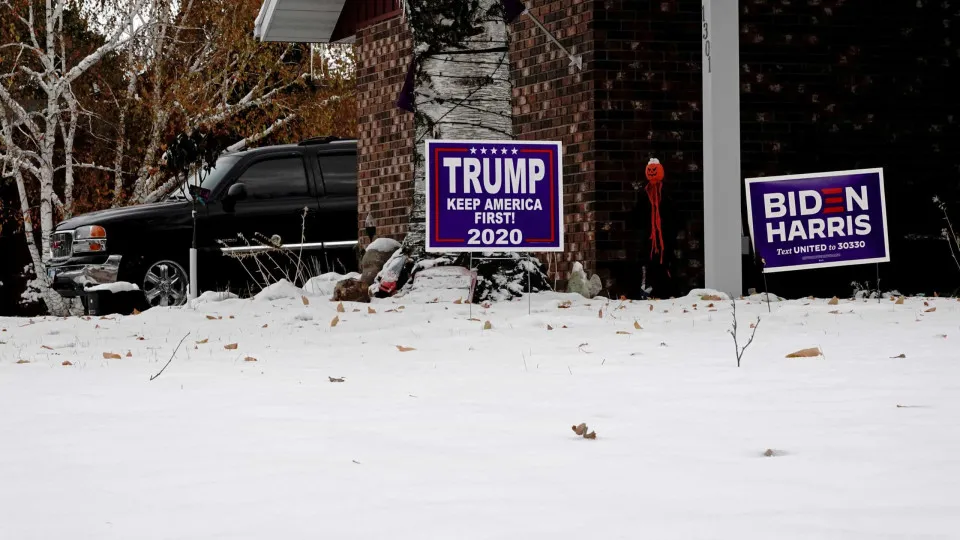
<point x="165" y="284"/>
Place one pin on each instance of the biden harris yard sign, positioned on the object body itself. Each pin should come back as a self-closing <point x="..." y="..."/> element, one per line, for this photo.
<point x="818" y="220"/>
<point x="494" y="196"/>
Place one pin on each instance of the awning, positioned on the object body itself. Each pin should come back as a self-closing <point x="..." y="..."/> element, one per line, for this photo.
<point x="298" y="21"/>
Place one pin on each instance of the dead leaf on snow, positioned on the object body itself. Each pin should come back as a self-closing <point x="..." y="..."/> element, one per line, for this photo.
<point x="23" y="361"/>
<point x="622" y="332"/>
<point x="111" y="356"/>
<point x="370" y="310"/>
<point x="249" y="359"/>
<point x="753" y="325"/>
<point x="305" y="300"/>
<point x="335" y="321"/>
<point x="600" y="314"/>
<point x="357" y="310"/>
<point x="549" y="327"/>
<point x="46" y="347"/>
<point x="650" y="307"/>
<point x="579" y="430"/>
<point x="474" y="320"/>
<point x="806" y="353"/>
<point x="565" y="304"/>
<point x="340" y="308"/>
<point x="769" y="453"/>
<point x="264" y="326"/>
<point x="711" y="298"/>
<point x="230" y="317"/>
<point x="899" y="301"/>
<point x="637" y="325"/>
<point x="211" y="318"/>
<point x="926" y="303"/>
<point x="401" y="348"/>
<point x="230" y="346"/>
<point x="336" y="379"/>
<point x="66" y="363"/>
<point x="931" y="310"/>
<point x="833" y="301"/>
<point x="486" y="305"/>
<point x="202" y="341"/>
<point x="135" y="311"/>
<point x="835" y="312"/>
<point x="487" y="326"/>
<point x="901" y="355"/>
<point x="458" y="301"/>
<point x="129" y="354"/>
<point x="141" y="338"/>
<point x="591" y="435"/>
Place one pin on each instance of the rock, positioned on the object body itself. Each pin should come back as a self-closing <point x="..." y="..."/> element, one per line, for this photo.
<point x="377" y="254"/>
<point x="594" y="286"/>
<point x="351" y="290"/>
<point x="578" y="282"/>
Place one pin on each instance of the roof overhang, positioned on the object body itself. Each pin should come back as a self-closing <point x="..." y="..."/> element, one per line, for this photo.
<point x="298" y="21"/>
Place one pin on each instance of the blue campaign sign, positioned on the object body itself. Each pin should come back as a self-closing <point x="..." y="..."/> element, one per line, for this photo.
<point x="818" y="220"/>
<point x="494" y="196"/>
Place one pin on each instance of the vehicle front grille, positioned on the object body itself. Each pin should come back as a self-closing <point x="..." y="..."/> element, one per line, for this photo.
<point x="61" y="245"/>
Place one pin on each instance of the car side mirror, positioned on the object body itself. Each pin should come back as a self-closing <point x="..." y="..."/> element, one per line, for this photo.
<point x="237" y="192"/>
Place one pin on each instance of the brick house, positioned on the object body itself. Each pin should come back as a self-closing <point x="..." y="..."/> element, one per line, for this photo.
<point x="825" y="85"/>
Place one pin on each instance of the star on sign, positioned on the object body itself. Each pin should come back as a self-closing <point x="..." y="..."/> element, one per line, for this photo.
<point x="473" y="150"/>
<point x="514" y="151"/>
<point x="483" y="150"/>
<point x="503" y="151"/>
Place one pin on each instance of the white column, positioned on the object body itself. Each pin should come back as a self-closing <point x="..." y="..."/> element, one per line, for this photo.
<point x="720" y="33"/>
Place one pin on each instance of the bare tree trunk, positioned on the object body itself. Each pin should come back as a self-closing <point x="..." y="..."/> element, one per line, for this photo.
<point x="467" y="96"/>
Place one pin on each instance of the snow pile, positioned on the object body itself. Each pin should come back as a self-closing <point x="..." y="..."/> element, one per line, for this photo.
<point x="699" y="294"/>
<point x="279" y="290"/>
<point x="211" y="297"/>
<point x="117" y="287"/>
<point x="440" y="283"/>
<point x="324" y="284"/>
<point x="384" y="245"/>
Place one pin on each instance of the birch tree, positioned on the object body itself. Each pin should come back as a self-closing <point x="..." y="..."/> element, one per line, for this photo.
<point x="463" y="90"/>
<point x="38" y="106"/>
<point x="173" y="67"/>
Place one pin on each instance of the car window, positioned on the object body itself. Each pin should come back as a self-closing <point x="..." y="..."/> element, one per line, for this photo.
<point x="274" y="178"/>
<point x="339" y="174"/>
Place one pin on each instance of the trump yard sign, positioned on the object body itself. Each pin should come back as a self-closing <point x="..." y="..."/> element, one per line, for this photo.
<point x="494" y="196"/>
<point x="818" y="220"/>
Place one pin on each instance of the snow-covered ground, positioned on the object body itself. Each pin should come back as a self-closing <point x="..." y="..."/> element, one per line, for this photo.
<point x="468" y="435"/>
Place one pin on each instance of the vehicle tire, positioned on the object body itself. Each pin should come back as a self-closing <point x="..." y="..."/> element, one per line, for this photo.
<point x="165" y="284"/>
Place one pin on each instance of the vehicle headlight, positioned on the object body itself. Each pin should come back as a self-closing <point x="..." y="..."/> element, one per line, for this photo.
<point x="90" y="239"/>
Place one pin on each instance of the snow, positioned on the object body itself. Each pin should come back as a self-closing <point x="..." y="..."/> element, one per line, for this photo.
<point x="468" y="435"/>
<point x="324" y="284"/>
<point x="117" y="287"/>
<point x="384" y="245"/>
<point x="211" y="297"/>
<point x="282" y="289"/>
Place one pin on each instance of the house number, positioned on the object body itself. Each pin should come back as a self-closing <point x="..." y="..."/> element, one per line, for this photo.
<point x="706" y="38"/>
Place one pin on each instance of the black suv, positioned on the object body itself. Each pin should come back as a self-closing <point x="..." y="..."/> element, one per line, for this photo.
<point x="303" y="197"/>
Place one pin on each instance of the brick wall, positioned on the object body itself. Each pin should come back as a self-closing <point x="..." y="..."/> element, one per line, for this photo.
<point x="554" y="101"/>
<point x="648" y="92"/>
<point x="832" y="84"/>
<point x="638" y="97"/>
<point x="385" y="147"/>
<point x="835" y="85"/>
